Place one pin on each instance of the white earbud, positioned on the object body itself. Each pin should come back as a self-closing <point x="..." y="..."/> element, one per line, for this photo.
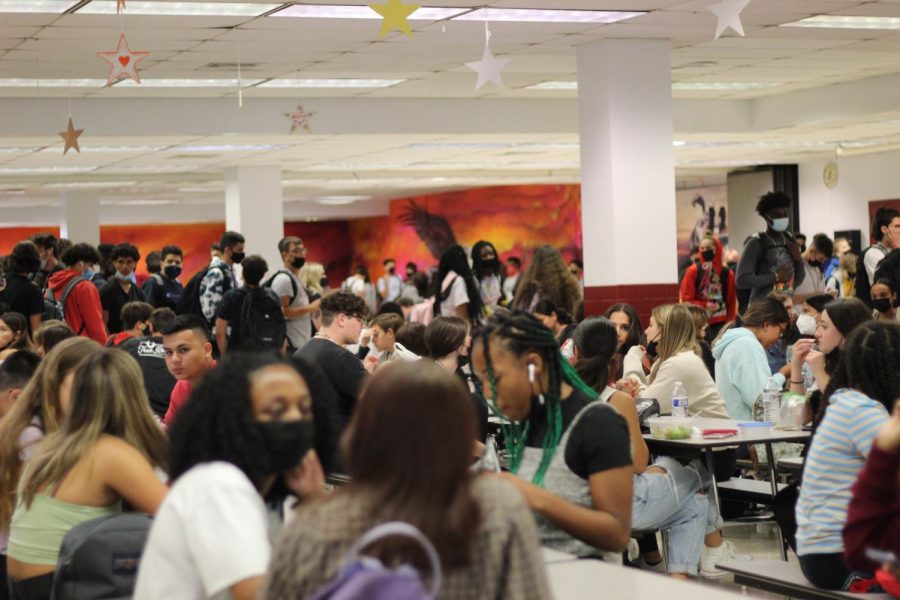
<point x="530" y="372"/>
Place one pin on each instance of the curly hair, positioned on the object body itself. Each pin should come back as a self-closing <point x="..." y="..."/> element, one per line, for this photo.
<point x="596" y="341"/>
<point x="218" y="425"/>
<point x="870" y="363"/>
<point x="80" y="253"/>
<point x="342" y="302"/>
<point x="548" y="277"/>
<point x="454" y="260"/>
<point x="125" y="250"/>
<point x="772" y="200"/>
<point x="24" y="258"/>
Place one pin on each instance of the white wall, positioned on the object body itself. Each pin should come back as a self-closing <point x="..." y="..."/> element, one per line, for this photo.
<point x="862" y="179"/>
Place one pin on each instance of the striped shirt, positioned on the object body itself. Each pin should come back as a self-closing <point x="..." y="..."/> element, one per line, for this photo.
<point x="838" y="451"/>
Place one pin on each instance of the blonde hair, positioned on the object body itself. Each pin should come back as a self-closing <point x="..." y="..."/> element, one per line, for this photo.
<point x="311" y="276"/>
<point x="108" y="398"/>
<point x="678" y="333"/>
<point x="38" y="401"/>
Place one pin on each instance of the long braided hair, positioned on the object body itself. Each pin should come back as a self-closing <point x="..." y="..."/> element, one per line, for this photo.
<point x="520" y="333"/>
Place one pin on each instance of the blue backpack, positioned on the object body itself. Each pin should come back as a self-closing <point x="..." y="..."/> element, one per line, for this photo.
<point x="366" y="578"/>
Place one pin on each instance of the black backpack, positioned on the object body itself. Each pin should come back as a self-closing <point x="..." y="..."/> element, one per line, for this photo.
<point x="190" y="297"/>
<point x="99" y="559"/>
<point x="861" y="285"/>
<point x="294" y="290"/>
<point x="889" y="268"/>
<point x="56" y="309"/>
<point x="262" y="321"/>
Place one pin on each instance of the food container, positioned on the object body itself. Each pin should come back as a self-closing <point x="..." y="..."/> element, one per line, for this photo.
<point x="670" y="428"/>
<point x="793" y="407"/>
<point x="755" y="427"/>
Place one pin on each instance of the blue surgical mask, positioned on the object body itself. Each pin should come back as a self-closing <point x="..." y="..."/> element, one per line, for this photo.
<point x="89" y="274"/>
<point x="780" y="224"/>
<point x="121" y="277"/>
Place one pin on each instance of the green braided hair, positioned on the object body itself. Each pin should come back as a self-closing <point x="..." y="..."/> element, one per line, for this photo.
<point x="520" y="333"/>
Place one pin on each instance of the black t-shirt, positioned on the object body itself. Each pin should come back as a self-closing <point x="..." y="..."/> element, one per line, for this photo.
<point x="599" y="442"/>
<point x="21" y="295"/>
<point x="345" y="372"/>
<point x="113" y="298"/>
<point x="158" y="381"/>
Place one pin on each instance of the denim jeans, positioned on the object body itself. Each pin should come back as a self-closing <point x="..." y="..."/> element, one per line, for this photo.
<point x="673" y="501"/>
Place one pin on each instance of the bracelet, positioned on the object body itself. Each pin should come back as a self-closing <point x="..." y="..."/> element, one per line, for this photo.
<point x="797" y="382"/>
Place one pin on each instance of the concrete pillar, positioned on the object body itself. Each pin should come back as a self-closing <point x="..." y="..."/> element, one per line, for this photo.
<point x="81" y="217"/>
<point x="254" y="207"/>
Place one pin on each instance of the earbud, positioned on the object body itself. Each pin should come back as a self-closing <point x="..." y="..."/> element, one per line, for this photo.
<point x="530" y="372"/>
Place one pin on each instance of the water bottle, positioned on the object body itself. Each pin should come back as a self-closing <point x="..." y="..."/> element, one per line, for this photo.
<point x="771" y="401"/>
<point x="679" y="401"/>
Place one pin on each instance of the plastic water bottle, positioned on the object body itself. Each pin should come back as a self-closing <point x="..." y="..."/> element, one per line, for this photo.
<point x="679" y="401"/>
<point x="771" y="401"/>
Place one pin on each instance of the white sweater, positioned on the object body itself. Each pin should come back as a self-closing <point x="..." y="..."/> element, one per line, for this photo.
<point x="704" y="398"/>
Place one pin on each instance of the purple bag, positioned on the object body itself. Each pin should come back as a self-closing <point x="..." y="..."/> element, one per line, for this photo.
<point x="363" y="577"/>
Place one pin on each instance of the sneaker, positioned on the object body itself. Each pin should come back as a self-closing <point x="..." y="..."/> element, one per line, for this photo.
<point x="713" y="556"/>
<point x="643" y="565"/>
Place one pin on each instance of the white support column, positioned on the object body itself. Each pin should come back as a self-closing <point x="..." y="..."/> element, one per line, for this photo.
<point x="627" y="172"/>
<point x="254" y="207"/>
<point x="81" y="217"/>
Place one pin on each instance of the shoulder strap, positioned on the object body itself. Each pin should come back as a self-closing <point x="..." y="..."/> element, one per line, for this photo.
<point x="69" y="287"/>
<point x="271" y="280"/>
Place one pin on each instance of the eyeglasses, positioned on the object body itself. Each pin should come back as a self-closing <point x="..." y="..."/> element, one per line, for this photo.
<point x="360" y="318"/>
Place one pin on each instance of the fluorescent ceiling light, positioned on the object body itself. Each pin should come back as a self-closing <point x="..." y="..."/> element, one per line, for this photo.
<point x="554" y="85"/>
<point x="721" y="86"/>
<point x="113" y="149"/>
<point x="17" y="150"/>
<point x="229" y="148"/>
<point x="44" y="170"/>
<point x="214" y="9"/>
<point x="846" y="22"/>
<point x="678" y="143"/>
<point x="330" y="83"/>
<point x="51" y="83"/>
<point x="188" y="83"/>
<point x="333" y="11"/>
<point x="36" y="6"/>
<point x="147" y="202"/>
<point x="494" y="145"/>
<point x="90" y="184"/>
<point x="146" y="169"/>
<point x="548" y="16"/>
<point x="338" y="200"/>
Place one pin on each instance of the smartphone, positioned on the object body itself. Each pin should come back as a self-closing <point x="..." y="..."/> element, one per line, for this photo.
<point x="882" y="557"/>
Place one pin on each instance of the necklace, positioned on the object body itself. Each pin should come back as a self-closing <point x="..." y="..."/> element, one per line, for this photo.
<point x="325" y="336"/>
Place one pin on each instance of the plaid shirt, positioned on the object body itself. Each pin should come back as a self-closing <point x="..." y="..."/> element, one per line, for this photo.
<point x="506" y="561"/>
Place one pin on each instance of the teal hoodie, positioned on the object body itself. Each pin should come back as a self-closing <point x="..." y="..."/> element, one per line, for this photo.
<point x="741" y="371"/>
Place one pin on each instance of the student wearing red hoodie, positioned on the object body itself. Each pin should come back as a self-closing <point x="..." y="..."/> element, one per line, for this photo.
<point x="710" y="285"/>
<point x="83" y="311"/>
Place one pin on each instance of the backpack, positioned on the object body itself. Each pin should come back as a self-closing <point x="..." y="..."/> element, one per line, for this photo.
<point x="262" y="324"/>
<point x="56" y="309"/>
<point x="364" y="578"/>
<point x="99" y="559"/>
<point x="765" y="245"/>
<point x="862" y="286"/>
<point x="294" y="290"/>
<point x="190" y="297"/>
<point x="889" y="268"/>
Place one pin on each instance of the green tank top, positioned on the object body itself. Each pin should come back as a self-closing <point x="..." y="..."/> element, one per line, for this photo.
<point x="36" y="533"/>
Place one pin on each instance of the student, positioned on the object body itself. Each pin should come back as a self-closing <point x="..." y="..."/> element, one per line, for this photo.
<point x="103" y="454"/>
<point x="49" y="254"/>
<point x="384" y="336"/>
<point x="210" y="537"/>
<point x="547" y="277"/>
<point x="629" y="334"/>
<point x="390" y="285"/>
<point x="449" y="341"/>
<point x="701" y="326"/>
<point x="814" y="260"/>
<point x="135" y="317"/>
<point x="884" y="301"/>
<point x="188" y="358"/>
<point x="220" y="277"/>
<point x="710" y="285"/>
<point x="511" y="281"/>
<point x="15" y="372"/>
<point x="885" y="236"/>
<point x="487" y="269"/>
<point x="20" y="294"/>
<point x="569" y="452"/>
<point x="49" y="334"/>
<point x="153" y="263"/>
<point x="235" y="322"/>
<point x="343" y="317"/>
<point x="742" y="369"/>
<point x="555" y="319"/>
<point x="83" y="310"/>
<point x="312" y="277"/>
<point x="150" y="355"/>
<point x="298" y="307"/>
<point x="481" y="528"/>
<point x="360" y="284"/>
<point x="576" y="268"/>
<point x="771" y="259"/>
<point x="120" y="290"/>
<point x="164" y="289"/>
<point x="455" y="287"/>
<point x="14" y="334"/>
<point x="864" y="386"/>
<point x="412" y="337"/>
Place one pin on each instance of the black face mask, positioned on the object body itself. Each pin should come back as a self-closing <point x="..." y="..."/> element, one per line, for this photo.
<point x="392" y="270"/>
<point x="492" y="265"/>
<point x="172" y="271"/>
<point x="651" y="349"/>
<point x="708" y="255"/>
<point x="882" y="305"/>
<point x="462" y="361"/>
<point x="323" y="282"/>
<point x="237" y="257"/>
<point x="298" y="262"/>
<point x="286" y="443"/>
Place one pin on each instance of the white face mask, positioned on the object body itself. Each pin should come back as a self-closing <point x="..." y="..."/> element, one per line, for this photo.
<point x="780" y="224"/>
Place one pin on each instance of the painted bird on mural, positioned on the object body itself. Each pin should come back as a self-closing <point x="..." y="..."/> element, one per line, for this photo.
<point x="432" y="229"/>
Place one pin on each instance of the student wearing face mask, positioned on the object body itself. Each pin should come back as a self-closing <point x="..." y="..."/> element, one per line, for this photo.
<point x="82" y="308"/>
<point x="710" y="285"/>
<point x="211" y="537"/>
<point x="219" y="276"/>
<point x="163" y="290"/>
<point x="390" y="285"/>
<point x="487" y="270"/>
<point x="121" y="289"/>
<point x="296" y="303"/>
<point x="814" y="260"/>
<point x="884" y="300"/>
<point x="771" y="259"/>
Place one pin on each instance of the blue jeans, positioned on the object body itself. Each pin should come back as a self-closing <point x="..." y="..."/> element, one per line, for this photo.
<point x="673" y="501"/>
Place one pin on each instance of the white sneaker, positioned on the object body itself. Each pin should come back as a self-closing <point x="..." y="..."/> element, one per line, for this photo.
<point x="713" y="556"/>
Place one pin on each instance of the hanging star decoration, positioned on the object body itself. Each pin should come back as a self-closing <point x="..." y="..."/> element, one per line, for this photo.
<point x="299" y="119"/>
<point x="488" y="68"/>
<point x="120" y="6"/>
<point x="395" y="16"/>
<point x="729" y="14"/>
<point x="70" y="137"/>
<point x="123" y="62"/>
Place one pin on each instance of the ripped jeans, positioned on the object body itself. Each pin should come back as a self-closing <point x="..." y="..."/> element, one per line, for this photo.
<point x="673" y="501"/>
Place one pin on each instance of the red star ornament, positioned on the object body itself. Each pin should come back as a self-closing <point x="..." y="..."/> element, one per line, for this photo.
<point x="120" y="6"/>
<point x="123" y="62"/>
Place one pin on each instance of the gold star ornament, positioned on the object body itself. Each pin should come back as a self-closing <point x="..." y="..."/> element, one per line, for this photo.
<point x="299" y="119"/>
<point x="395" y="16"/>
<point x="70" y="137"/>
